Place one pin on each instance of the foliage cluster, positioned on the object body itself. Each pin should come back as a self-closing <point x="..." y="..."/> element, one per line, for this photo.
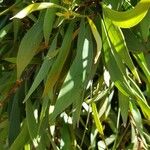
<point x="75" y="74"/>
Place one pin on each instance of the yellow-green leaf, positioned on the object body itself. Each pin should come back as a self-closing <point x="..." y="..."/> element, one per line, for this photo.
<point x="97" y="119"/>
<point x="34" y="7"/>
<point x="97" y="38"/>
<point x="128" y="18"/>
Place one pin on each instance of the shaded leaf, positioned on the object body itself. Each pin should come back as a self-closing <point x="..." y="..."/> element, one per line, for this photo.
<point x="29" y="46"/>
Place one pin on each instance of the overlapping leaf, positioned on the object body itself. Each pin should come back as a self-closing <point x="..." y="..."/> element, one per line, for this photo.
<point x="29" y="46"/>
<point x="128" y="18"/>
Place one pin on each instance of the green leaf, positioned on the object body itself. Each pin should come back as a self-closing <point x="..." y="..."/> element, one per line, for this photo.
<point x="128" y="18"/>
<point x="97" y="120"/>
<point x="59" y="62"/>
<point x="31" y="122"/>
<point x="66" y="137"/>
<point x="34" y="7"/>
<point x="136" y="116"/>
<point x="124" y="107"/>
<point x="118" y="41"/>
<point x="49" y="19"/>
<point x="116" y="74"/>
<point x="22" y="138"/>
<point x="74" y="86"/>
<point x="145" y="26"/>
<point x="97" y="38"/>
<point x="14" y="127"/>
<point x="43" y="70"/>
<point x="4" y="31"/>
<point x="29" y="46"/>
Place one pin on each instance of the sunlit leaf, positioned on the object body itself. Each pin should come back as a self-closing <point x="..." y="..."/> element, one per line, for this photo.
<point x="58" y="64"/>
<point x="128" y="18"/>
<point x="97" y="119"/>
<point x="118" y="41"/>
<point x="34" y="7"/>
<point x="97" y="38"/>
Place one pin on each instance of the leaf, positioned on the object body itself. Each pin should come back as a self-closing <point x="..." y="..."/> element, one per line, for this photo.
<point x="81" y="69"/>
<point x="73" y="88"/>
<point x="145" y="26"/>
<point x="22" y="138"/>
<point x="128" y="18"/>
<point x="49" y="19"/>
<point x="14" y="127"/>
<point x="136" y="116"/>
<point x="43" y="70"/>
<point x="66" y="137"/>
<point x="97" y="120"/>
<point x="133" y="43"/>
<point x="97" y="38"/>
<point x="34" y="7"/>
<point x="29" y="46"/>
<point x="5" y="30"/>
<point x="124" y="107"/>
<point x="59" y="62"/>
<point x="31" y="122"/>
<point x="116" y="74"/>
<point x="118" y="41"/>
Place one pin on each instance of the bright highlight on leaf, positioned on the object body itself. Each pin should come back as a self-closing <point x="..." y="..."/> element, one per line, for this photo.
<point x="97" y="119"/>
<point x="97" y="38"/>
<point x="35" y="7"/>
<point x="128" y="18"/>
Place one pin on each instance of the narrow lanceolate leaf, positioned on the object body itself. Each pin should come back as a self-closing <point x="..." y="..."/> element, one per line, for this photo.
<point x="118" y="42"/>
<point x="145" y="26"/>
<point x="128" y="18"/>
<point x="49" y="21"/>
<point x="14" y="127"/>
<point x="5" y="30"/>
<point x="22" y="138"/>
<point x="124" y="107"/>
<point x="59" y="63"/>
<point x="29" y="46"/>
<point x="34" y="7"/>
<point x="97" y="38"/>
<point x="116" y="74"/>
<point x="43" y="70"/>
<point x="97" y="119"/>
<point x="72" y="91"/>
<point x="31" y="122"/>
<point x="122" y="80"/>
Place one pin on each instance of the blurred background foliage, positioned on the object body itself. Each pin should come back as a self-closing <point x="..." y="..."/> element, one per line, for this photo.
<point x="74" y="74"/>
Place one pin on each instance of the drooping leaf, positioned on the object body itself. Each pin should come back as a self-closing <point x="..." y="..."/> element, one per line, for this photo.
<point x="60" y="60"/>
<point x="49" y="19"/>
<point x="29" y="46"/>
<point x="34" y="7"/>
<point x="77" y="78"/>
<point x="4" y="31"/>
<point x="128" y="18"/>
<point x="31" y="122"/>
<point x="145" y="26"/>
<point x="118" y="41"/>
<point x="97" y="119"/>
<point x="97" y="38"/>
<point x="124" y="107"/>
<point x="21" y="139"/>
<point x="43" y="70"/>
<point x="14" y="128"/>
